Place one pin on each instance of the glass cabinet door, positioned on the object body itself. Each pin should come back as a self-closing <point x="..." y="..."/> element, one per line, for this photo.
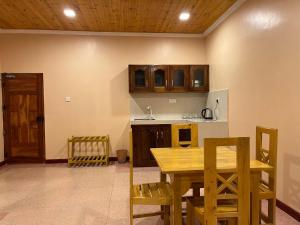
<point x="139" y="78"/>
<point x="199" y="78"/>
<point x="159" y="76"/>
<point x="178" y="78"/>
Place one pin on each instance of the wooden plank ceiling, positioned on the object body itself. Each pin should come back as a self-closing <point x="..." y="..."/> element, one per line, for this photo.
<point x="151" y="16"/>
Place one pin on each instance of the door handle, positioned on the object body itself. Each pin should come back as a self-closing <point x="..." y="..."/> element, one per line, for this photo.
<point x="40" y="119"/>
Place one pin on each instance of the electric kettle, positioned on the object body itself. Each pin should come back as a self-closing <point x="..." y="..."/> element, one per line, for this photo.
<point x="207" y="114"/>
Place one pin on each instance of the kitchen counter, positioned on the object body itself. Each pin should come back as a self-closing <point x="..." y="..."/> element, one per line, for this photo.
<point x="173" y="121"/>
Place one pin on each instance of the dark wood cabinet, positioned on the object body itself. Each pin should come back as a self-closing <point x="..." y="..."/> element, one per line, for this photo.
<point x="169" y="78"/>
<point x="139" y="78"/>
<point x="145" y="137"/>
<point x="160" y="78"/>
<point x="199" y="78"/>
<point x="179" y="78"/>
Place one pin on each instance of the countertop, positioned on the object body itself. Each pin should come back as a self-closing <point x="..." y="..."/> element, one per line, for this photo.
<point x="173" y="121"/>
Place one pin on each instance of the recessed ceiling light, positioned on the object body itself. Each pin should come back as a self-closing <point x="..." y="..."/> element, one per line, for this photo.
<point x="69" y="13"/>
<point x="184" y="16"/>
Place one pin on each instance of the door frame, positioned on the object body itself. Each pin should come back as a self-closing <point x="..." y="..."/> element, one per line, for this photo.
<point x="6" y="136"/>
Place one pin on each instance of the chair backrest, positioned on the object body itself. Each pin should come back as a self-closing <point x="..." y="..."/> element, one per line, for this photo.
<point x="184" y="135"/>
<point x="227" y="184"/>
<point x="269" y="155"/>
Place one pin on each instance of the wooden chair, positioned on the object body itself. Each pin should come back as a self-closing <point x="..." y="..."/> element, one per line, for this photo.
<point x="149" y="194"/>
<point x="184" y="135"/>
<point x="268" y="184"/>
<point x="227" y="192"/>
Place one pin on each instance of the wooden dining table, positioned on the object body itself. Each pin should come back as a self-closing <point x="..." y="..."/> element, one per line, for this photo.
<point x="186" y="166"/>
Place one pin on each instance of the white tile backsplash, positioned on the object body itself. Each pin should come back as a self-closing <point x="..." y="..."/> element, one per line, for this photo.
<point x="185" y="103"/>
<point x="164" y="106"/>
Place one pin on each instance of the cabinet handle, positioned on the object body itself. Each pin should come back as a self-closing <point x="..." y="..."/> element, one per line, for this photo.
<point x="166" y="83"/>
<point x="192" y="83"/>
<point x="162" y="134"/>
<point x="172" y="83"/>
<point x="146" y="83"/>
<point x="156" y="135"/>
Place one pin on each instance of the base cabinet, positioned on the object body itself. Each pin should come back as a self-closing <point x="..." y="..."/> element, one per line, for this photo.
<point x="145" y="137"/>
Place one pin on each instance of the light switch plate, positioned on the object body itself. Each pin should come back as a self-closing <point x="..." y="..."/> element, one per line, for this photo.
<point x="172" y="100"/>
<point x="67" y="99"/>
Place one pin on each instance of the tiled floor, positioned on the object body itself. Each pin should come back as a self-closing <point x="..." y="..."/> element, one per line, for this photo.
<point x="58" y="195"/>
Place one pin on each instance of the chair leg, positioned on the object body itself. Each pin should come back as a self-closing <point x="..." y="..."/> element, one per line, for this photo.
<point x="162" y="209"/>
<point x="196" y="192"/>
<point x="271" y="211"/>
<point x="131" y="213"/>
<point x="190" y="215"/>
<point x="166" y="213"/>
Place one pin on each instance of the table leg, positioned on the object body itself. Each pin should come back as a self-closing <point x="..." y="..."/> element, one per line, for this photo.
<point x="255" y="202"/>
<point x="176" y="208"/>
<point x="163" y="178"/>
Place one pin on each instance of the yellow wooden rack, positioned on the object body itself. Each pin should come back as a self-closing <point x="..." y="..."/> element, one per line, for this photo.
<point x="88" y="151"/>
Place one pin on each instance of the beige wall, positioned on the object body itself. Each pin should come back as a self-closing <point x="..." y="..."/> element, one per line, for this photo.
<point x="93" y="72"/>
<point x="255" y="53"/>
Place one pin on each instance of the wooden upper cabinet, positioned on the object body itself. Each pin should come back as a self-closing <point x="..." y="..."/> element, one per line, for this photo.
<point x="169" y="78"/>
<point x="179" y="78"/>
<point x="199" y="78"/>
<point x="160" y="78"/>
<point x="139" y="78"/>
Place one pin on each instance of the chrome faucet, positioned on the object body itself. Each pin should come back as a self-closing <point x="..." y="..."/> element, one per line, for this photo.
<point x="149" y="111"/>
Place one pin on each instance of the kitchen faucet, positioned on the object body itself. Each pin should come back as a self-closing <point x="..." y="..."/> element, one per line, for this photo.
<point x="149" y="111"/>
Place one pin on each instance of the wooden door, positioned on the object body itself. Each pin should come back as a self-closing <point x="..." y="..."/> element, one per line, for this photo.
<point x="139" y="78"/>
<point x="160" y="78"/>
<point x="179" y="80"/>
<point x="199" y="78"/>
<point x="23" y="117"/>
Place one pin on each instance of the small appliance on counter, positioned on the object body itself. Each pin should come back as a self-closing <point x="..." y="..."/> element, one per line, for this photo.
<point x="207" y="114"/>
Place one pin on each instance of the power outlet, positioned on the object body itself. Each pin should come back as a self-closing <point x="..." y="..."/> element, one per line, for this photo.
<point x="172" y="100"/>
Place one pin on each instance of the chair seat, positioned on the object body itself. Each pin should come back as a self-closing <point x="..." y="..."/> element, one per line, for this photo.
<point x="152" y="194"/>
<point x="265" y="192"/>
<point x="198" y="205"/>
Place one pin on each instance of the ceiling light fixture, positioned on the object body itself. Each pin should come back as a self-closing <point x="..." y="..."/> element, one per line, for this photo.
<point x="184" y="16"/>
<point x="69" y="13"/>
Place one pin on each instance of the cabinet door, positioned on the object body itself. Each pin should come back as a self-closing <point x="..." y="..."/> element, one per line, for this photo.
<point x="179" y="78"/>
<point x="164" y="136"/>
<point x="199" y="78"/>
<point x="159" y="77"/>
<point x="139" y="78"/>
<point x="146" y="137"/>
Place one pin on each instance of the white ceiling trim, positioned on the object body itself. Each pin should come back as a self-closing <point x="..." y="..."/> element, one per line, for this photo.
<point x="222" y="18"/>
<point x="92" y="33"/>
<point x="232" y="9"/>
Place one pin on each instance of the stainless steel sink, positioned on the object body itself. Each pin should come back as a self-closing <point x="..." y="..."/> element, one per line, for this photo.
<point x="144" y="118"/>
